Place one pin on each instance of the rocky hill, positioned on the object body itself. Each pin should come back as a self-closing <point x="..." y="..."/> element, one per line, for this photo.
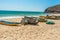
<point x="53" y="9"/>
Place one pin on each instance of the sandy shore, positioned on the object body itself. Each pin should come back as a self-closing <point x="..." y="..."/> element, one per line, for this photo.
<point x="42" y="31"/>
<point x="56" y="14"/>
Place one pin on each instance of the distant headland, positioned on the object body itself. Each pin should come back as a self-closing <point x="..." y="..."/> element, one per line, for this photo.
<point x="53" y="9"/>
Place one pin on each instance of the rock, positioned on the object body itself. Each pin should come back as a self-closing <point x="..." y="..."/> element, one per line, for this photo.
<point x="29" y="20"/>
<point x="50" y="22"/>
<point x="53" y="9"/>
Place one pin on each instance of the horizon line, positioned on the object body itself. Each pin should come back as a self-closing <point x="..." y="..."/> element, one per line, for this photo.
<point x="22" y="10"/>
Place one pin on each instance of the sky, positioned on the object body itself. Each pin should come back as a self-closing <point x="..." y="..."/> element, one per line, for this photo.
<point x="27" y="5"/>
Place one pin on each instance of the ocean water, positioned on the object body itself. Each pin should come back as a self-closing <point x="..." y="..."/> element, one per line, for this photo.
<point x="20" y="13"/>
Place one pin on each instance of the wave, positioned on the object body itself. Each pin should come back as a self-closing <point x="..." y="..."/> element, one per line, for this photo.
<point x="11" y="17"/>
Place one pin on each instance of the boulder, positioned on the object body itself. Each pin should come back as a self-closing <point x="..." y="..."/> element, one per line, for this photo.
<point x="49" y="22"/>
<point x="29" y="20"/>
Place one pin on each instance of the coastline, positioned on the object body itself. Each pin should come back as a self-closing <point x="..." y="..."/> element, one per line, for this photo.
<point x="9" y="17"/>
<point x="56" y="14"/>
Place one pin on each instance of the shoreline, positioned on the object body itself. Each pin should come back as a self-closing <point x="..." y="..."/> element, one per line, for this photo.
<point x="56" y="14"/>
<point x="9" y="17"/>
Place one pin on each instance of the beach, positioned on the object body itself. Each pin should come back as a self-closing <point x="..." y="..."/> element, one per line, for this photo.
<point x="42" y="31"/>
<point x="29" y="19"/>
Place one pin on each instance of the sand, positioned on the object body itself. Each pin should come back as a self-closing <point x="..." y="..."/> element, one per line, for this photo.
<point x="42" y="31"/>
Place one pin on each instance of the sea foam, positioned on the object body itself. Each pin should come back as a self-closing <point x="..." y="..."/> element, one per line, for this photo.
<point x="9" y="17"/>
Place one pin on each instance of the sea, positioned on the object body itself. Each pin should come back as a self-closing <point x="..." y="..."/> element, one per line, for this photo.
<point x="14" y="14"/>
